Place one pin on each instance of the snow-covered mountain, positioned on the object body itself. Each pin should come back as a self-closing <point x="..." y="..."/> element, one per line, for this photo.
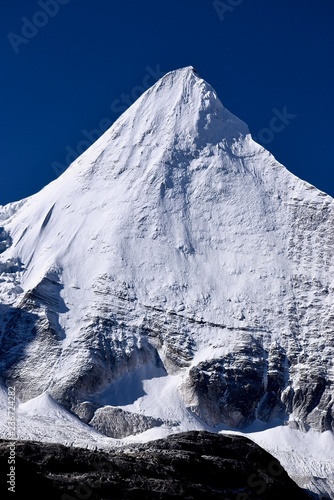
<point x="175" y="277"/>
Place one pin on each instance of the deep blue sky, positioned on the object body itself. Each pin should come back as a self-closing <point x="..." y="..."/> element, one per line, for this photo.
<point x="260" y="56"/>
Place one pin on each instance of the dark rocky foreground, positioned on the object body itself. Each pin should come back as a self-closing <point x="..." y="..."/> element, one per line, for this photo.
<point x="192" y="465"/>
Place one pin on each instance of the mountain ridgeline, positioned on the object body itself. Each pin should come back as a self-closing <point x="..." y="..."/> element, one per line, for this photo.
<point x="176" y="277"/>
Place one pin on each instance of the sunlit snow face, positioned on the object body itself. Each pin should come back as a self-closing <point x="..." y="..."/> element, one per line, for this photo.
<point x="175" y="260"/>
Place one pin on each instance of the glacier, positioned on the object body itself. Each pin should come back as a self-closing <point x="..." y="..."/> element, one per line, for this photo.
<point x="175" y="277"/>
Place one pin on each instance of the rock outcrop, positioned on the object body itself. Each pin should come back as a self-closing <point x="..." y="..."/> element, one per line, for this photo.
<point x="192" y="465"/>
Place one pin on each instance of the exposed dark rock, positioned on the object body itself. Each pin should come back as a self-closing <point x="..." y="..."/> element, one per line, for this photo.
<point x="118" y="423"/>
<point x="193" y="465"/>
<point x="11" y="266"/>
<point x="85" y="411"/>
<point x="271" y="405"/>
<point x="5" y="240"/>
<point x="228" y="389"/>
<point x="113" y="352"/>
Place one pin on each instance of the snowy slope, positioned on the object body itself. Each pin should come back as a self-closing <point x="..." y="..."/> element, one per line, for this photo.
<point x="175" y="277"/>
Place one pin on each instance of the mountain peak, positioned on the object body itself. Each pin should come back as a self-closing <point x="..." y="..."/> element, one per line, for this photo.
<point x="190" y="107"/>
<point x="186" y="76"/>
<point x="180" y="108"/>
<point x="176" y="276"/>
